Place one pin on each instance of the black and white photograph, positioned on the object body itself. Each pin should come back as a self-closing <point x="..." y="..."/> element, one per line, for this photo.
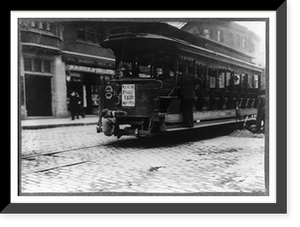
<point x="146" y="109"/>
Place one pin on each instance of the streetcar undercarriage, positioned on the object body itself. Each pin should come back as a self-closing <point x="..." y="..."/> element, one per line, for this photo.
<point x="163" y="122"/>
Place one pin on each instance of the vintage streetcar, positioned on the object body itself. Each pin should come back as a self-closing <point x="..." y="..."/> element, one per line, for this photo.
<point x="146" y="102"/>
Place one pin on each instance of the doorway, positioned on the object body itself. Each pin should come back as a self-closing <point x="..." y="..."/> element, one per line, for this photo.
<point x="38" y="95"/>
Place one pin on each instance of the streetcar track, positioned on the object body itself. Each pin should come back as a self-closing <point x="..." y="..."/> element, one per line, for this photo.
<point x="56" y="152"/>
<point x="56" y="167"/>
<point x="151" y="142"/>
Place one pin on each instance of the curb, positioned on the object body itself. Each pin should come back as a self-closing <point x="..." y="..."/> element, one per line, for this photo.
<point x="56" y="125"/>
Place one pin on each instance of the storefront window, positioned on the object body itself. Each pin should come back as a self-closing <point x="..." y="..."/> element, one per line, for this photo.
<point x="95" y="92"/>
<point x="94" y="89"/>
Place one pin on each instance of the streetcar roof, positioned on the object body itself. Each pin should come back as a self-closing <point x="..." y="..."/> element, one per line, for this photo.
<point x="167" y="30"/>
<point x="182" y="39"/>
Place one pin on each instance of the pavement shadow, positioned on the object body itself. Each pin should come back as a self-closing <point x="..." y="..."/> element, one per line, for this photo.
<point x="172" y="139"/>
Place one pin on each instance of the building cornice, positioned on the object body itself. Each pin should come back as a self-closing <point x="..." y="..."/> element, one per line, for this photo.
<point x="66" y="52"/>
<point x="41" y="46"/>
<point x="87" y="55"/>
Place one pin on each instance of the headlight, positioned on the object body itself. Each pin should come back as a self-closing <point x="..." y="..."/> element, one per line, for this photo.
<point x="109" y="89"/>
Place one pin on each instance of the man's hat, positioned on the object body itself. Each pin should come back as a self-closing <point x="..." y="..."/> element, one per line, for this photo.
<point x="104" y="112"/>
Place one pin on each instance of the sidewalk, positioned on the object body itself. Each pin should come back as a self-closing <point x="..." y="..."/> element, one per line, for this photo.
<point x="51" y="122"/>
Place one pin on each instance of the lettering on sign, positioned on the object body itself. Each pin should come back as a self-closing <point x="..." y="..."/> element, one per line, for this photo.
<point x="88" y="61"/>
<point x="90" y="69"/>
<point x="128" y="95"/>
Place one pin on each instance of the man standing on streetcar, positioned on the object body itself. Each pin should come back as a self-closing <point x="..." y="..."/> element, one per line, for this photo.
<point x="187" y="84"/>
<point x="260" y="118"/>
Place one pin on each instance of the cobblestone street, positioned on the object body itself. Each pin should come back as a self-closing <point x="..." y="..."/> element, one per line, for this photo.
<point x="76" y="159"/>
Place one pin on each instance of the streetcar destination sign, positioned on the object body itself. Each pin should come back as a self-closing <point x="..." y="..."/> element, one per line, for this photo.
<point x="128" y="95"/>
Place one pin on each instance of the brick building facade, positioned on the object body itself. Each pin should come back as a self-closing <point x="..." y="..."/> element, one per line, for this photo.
<point x="228" y="33"/>
<point x="57" y="57"/>
<point x="232" y="35"/>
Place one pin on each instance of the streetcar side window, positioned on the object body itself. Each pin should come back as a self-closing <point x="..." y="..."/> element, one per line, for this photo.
<point x="212" y="73"/>
<point x="212" y="82"/>
<point x="244" y="80"/>
<point x="159" y="71"/>
<point x="236" y="79"/>
<point x="250" y="81"/>
<point x="222" y="80"/>
<point x="228" y="79"/>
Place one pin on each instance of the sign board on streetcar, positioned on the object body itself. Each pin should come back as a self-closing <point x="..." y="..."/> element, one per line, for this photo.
<point x="128" y="95"/>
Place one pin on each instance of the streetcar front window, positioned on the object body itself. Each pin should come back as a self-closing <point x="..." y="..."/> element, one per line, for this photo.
<point x="144" y="71"/>
<point x="145" y="61"/>
<point x="134" y="70"/>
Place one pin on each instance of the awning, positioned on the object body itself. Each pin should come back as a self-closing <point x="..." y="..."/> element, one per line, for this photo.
<point x="105" y="61"/>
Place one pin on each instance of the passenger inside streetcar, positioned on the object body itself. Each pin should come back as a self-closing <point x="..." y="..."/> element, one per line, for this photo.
<point x="124" y="72"/>
<point x="167" y="80"/>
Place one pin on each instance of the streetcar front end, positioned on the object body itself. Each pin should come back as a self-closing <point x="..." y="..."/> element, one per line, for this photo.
<point x="134" y="104"/>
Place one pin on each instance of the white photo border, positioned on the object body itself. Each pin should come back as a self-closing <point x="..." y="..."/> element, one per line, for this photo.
<point x="269" y="15"/>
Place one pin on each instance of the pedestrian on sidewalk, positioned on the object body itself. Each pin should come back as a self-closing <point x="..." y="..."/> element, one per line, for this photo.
<point x="73" y="105"/>
<point x="80" y="110"/>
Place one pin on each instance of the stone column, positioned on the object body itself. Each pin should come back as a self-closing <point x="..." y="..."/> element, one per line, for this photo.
<point x="59" y="93"/>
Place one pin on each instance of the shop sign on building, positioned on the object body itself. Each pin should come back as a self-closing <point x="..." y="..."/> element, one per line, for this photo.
<point x="86" y="69"/>
<point x="85" y="61"/>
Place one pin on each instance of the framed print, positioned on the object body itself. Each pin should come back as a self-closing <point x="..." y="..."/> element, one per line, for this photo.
<point x="148" y="111"/>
